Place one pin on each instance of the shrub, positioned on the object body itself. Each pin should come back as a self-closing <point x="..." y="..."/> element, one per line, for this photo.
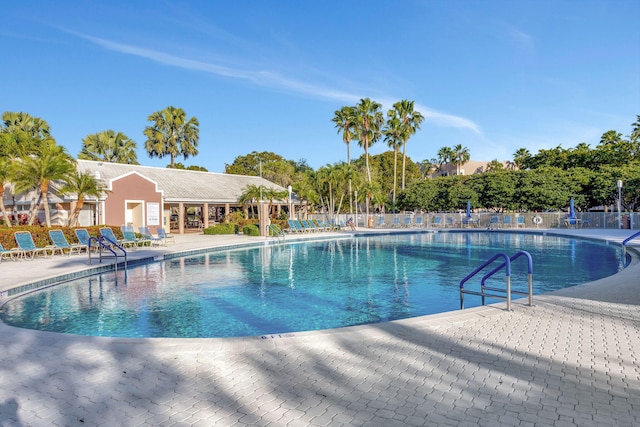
<point x="251" y="230"/>
<point x="224" y="228"/>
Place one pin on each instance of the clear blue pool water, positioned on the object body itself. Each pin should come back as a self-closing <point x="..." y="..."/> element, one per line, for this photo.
<point x="302" y="286"/>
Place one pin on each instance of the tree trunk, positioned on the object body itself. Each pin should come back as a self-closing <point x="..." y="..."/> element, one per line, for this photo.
<point x="3" y="209"/>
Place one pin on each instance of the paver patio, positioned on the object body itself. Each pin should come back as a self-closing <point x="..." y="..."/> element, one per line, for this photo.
<point x="572" y="359"/>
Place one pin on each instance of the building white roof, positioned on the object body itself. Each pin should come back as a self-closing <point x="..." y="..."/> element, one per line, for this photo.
<point x="179" y="185"/>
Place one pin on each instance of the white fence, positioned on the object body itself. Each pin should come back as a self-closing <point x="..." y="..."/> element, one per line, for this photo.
<point x="626" y="220"/>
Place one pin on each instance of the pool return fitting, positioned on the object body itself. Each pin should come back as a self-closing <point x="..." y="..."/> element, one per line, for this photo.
<point x="499" y="293"/>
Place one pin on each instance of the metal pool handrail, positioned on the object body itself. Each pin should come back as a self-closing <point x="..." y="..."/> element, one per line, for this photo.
<point x="110" y="247"/>
<point x="628" y="239"/>
<point x="507" y="266"/>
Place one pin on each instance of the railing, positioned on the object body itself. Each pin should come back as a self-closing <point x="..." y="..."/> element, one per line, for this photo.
<point x="276" y="232"/>
<point x="630" y="238"/>
<point x="499" y="220"/>
<point x="110" y="246"/>
<point x="507" y="291"/>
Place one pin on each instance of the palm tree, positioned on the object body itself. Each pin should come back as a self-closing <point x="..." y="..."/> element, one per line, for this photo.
<point x="345" y="120"/>
<point x="272" y="194"/>
<point x="460" y="156"/>
<point x="23" y="134"/>
<point x="369" y="121"/>
<point x="445" y="155"/>
<point x="410" y="121"/>
<point x="110" y="147"/>
<point x="35" y="127"/>
<point x="393" y="135"/>
<point x="250" y="195"/>
<point x="520" y="157"/>
<point x="172" y="134"/>
<point x="37" y="171"/>
<point x="83" y="185"/>
<point x="5" y="177"/>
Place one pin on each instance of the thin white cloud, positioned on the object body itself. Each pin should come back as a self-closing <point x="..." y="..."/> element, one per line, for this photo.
<point x="269" y="79"/>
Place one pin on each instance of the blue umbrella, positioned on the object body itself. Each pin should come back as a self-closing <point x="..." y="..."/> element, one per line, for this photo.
<point x="572" y="209"/>
<point x="468" y="209"/>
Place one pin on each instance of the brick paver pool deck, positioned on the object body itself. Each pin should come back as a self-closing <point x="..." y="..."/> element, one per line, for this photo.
<point x="571" y="359"/>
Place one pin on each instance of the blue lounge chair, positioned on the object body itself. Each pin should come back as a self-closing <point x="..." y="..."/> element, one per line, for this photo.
<point x="494" y="222"/>
<point x="520" y="221"/>
<point x="381" y="221"/>
<point x="506" y="221"/>
<point x="396" y="221"/>
<point x="418" y="222"/>
<point x="107" y="233"/>
<point x="26" y="245"/>
<point x="8" y="253"/>
<point x="61" y="243"/>
<point x="165" y="237"/>
<point x="148" y="237"/>
<point x="83" y="238"/>
<point x="295" y="226"/>
<point x="129" y="235"/>
<point x="437" y="221"/>
<point x="451" y="222"/>
<point x="407" y="221"/>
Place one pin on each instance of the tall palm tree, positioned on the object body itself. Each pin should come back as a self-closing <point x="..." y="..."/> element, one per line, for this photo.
<point x="445" y="155"/>
<point x="393" y="135"/>
<point x="172" y="134"/>
<point x="32" y="126"/>
<point x="520" y="157"/>
<point x="369" y="122"/>
<point x="250" y="195"/>
<point x="110" y="147"/>
<point x="5" y="178"/>
<point x="82" y="185"/>
<point x="410" y="121"/>
<point x="345" y="120"/>
<point x="460" y="156"/>
<point x="37" y="171"/>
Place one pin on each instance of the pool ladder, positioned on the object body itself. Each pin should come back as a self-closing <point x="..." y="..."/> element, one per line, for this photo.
<point x="498" y="293"/>
<point x="108" y="245"/>
<point x="276" y="232"/>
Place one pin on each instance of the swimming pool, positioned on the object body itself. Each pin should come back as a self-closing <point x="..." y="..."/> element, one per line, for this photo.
<point x="301" y="286"/>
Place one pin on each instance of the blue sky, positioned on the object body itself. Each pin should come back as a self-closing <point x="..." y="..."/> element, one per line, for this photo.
<point x="493" y="76"/>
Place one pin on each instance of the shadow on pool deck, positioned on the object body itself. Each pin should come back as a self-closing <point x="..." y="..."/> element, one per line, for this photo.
<point x="571" y="359"/>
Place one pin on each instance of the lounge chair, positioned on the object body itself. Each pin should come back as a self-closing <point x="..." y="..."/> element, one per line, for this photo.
<point x="494" y="222"/>
<point x="27" y="247"/>
<point x="437" y="221"/>
<point x="396" y="221"/>
<point x="586" y="223"/>
<point x="451" y="221"/>
<point x="148" y="237"/>
<point x="520" y="221"/>
<point x="61" y="243"/>
<point x="8" y="253"/>
<point x="506" y="221"/>
<point x="83" y="237"/>
<point x="129" y="235"/>
<point x="407" y="221"/>
<point x="165" y="237"/>
<point x="295" y="226"/>
<point x="107" y="233"/>
<point x="468" y="221"/>
<point x="381" y="222"/>
<point x="418" y="223"/>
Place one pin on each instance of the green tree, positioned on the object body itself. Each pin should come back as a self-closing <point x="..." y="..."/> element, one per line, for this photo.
<point x="345" y="120"/>
<point x="37" y="171"/>
<point x="270" y="166"/>
<point x="110" y="147"/>
<point x="5" y="178"/>
<point x="393" y="136"/>
<point x="410" y="121"/>
<point x="445" y="155"/>
<point x="369" y="122"/>
<point x="460" y="156"/>
<point x="172" y="134"/>
<point x="250" y="196"/>
<point x="521" y="158"/>
<point x="82" y="185"/>
<point x="495" y="165"/>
